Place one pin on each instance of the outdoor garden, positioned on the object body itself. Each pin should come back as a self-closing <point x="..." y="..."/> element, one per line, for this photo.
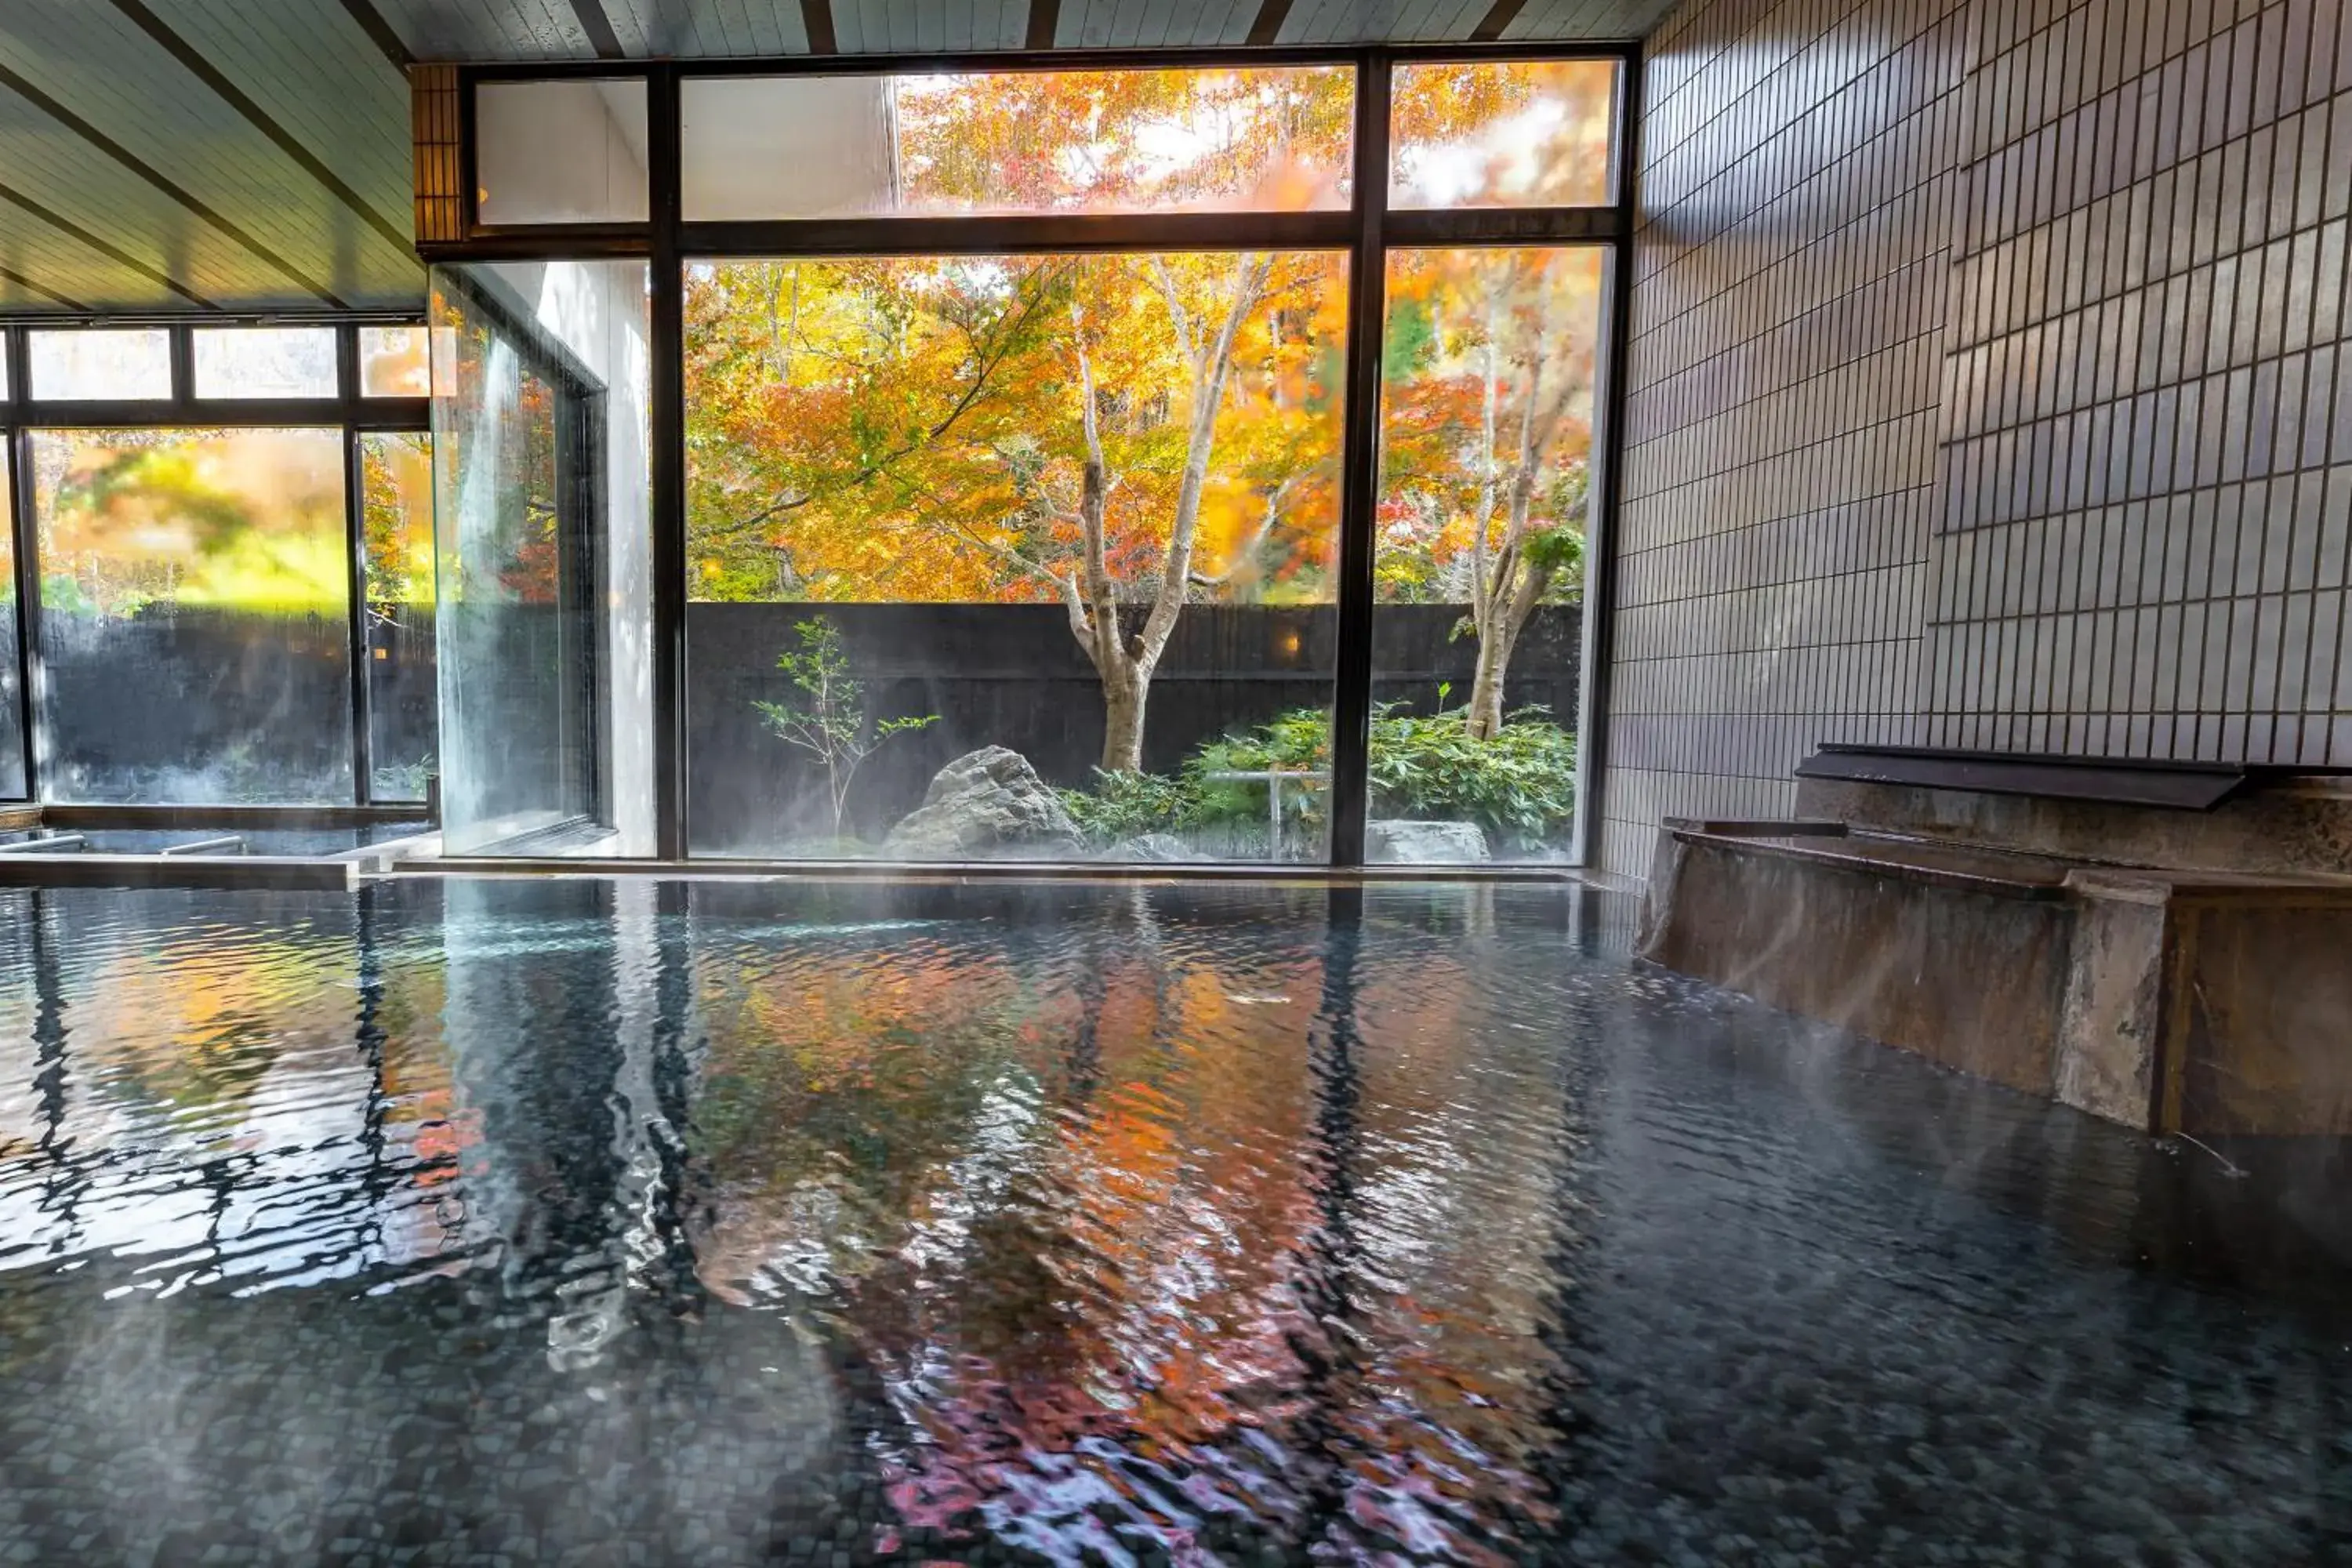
<point x="1035" y="555"/>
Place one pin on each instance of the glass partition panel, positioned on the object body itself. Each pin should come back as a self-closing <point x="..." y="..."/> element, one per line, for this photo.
<point x="96" y="365"/>
<point x="12" y="711"/>
<point x="265" y="361"/>
<point x="195" y="586"/>
<point x="396" y="529"/>
<point x="1509" y="134"/>
<point x="560" y="152"/>
<point x="544" y="618"/>
<point x="1012" y="557"/>
<point x="1272" y="138"/>
<point x="1486" y="462"/>
<point x="394" y="363"/>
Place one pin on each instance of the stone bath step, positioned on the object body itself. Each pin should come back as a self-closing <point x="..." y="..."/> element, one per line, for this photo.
<point x="2199" y="1001"/>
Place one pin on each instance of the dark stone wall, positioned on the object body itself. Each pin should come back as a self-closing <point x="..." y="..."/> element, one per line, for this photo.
<point x="1010" y="675"/>
<point x="179" y="703"/>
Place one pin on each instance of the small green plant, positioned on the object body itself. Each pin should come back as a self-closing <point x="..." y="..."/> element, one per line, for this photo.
<point x="1123" y="806"/>
<point x="825" y="714"/>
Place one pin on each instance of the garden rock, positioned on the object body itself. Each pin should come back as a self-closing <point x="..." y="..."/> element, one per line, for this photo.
<point x="1400" y="842"/>
<point x="985" y="803"/>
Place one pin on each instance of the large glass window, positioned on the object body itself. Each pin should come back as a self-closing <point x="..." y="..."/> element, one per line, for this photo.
<point x="1486" y="422"/>
<point x="1012" y="439"/>
<point x="1514" y="133"/>
<point x="194" y="630"/>
<point x="1263" y="139"/>
<point x="396" y="533"/>
<point x="1012" y="557"/>
<point x="543" y="628"/>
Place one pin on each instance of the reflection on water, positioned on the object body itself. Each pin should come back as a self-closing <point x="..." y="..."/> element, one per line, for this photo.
<point x="513" y="1222"/>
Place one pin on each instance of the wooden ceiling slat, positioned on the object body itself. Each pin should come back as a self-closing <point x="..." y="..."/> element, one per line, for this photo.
<point x="172" y="188"/>
<point x="197" y="65"/>
<point x="57" y="220"/>
<point x="380" y="33"/>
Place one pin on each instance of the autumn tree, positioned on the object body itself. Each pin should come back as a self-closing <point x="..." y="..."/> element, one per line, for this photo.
<point x="1122" y="434"/>
<point x="1490" y="354"/>
<point x="1487" y="459"/>
<point x="1127" y="435"/>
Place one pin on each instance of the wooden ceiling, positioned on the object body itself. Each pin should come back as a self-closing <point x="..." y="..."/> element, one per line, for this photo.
<point x="251" y="156"/>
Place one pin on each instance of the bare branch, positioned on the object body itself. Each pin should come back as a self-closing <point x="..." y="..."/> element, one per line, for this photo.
<point x="1250" y="273"/>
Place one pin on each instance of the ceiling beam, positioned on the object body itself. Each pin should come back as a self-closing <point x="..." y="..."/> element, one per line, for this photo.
<point x="1045" y="20"/>
<point x="380" y="33"/>
<point x="1267" y="28"/>
<point x="26" y="284"/>
<point x="599" y="28"/>
<point x="203" y="70"/>
<point x="172" y="188"/>
<point x="817" y="20"/>
<point x="57" y="220"/>
<point x="1499" y="16"/>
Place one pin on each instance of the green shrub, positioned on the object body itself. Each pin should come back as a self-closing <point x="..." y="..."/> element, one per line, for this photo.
<point x="1519" y="787"/>
<point x="1123" y="806"/>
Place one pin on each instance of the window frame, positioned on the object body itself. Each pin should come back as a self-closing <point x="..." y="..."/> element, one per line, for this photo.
<point x="346" y="411"/>
<point x="1365" y="231"/>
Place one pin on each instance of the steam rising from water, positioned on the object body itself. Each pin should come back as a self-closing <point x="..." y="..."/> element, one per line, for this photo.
<point x="1097" y="1225"/>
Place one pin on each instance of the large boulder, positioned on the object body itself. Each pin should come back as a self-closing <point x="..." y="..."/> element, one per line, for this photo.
<point x="986" y="805"/>
<point x="1400" y="842"/>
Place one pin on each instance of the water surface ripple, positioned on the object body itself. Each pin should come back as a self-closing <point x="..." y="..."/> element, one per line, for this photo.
<point x="506" y="1223"/>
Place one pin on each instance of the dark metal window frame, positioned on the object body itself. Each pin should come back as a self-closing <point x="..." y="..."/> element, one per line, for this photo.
<point x="23" y="414"/>
<point x="1366" y="232"/>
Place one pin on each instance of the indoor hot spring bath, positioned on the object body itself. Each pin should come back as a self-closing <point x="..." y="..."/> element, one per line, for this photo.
<point x="567" y="1220"/>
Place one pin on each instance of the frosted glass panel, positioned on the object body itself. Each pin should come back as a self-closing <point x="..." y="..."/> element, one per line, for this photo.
<point x="130" y="364"/>
<point x="560" y="152"/>
<point x="393" y="362"/>
<point x="544" y="617"/>
<point x="265" y="361"/>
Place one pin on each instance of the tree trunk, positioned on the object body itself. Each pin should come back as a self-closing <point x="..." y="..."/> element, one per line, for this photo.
<point x="1515" y="601"/>
<point x="1124" y="696"/>
<point x="1484" y="718"/>
<point x="1125" y="666"/>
